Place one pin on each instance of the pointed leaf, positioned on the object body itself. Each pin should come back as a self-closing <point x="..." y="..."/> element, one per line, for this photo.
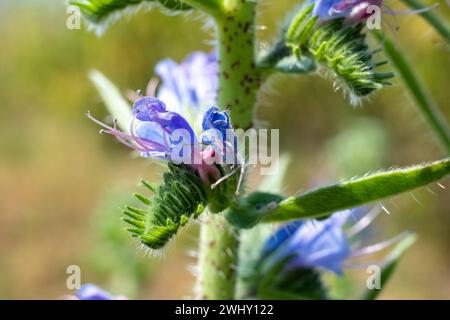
<point x="356" y="192"/>
<point x="344" y="195"/>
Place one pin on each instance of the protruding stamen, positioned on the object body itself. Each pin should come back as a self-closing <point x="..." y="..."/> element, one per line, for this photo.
<point x="241" y="177"/>
<point x="364" y="222"/>
<point x="379" y="246"/>
<point x="142" y="143"/>
<point x="421" y="10"/>
<point x="152" y="86"/>
<point x="215" y="184"/>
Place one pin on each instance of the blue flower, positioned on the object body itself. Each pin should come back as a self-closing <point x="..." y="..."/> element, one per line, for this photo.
<point x="184" y="125"/>
<point x="351" y="10"/>
<point x="92" y="292"/>
<point x="320" y="244"/>
<point x="151" y="111"/>
<point x="216" y="119"/>
<point x="215" y="125"/>
<point x="280" y="236"/>
<point x="191" y="85"/>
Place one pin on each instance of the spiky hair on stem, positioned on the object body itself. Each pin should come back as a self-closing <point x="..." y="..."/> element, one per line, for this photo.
<point x="338" y="48"/>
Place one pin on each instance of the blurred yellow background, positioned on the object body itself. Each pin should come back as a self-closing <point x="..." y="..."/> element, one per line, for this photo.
<point x="62" y="185"/>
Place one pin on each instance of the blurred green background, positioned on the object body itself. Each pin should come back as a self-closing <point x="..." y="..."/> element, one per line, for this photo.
<point x="62" y="185"/>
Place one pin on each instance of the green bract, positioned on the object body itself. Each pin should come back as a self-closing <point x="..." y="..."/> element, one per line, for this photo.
<point x="181" y="196"/>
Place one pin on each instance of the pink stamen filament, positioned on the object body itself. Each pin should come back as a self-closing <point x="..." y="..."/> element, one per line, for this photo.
<point x="144" y="145"/>
<point x="378" y="246"/>
<point x="363" y="223"/>
<point x="117" y="135"/>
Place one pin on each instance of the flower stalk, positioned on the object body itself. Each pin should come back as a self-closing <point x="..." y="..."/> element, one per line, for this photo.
<point x="239" y="81"/>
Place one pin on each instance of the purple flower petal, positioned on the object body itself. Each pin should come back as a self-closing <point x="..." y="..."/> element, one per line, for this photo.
<point x="352" y="10"/>
<point x="284" y="233"/>
<point x="191" y="84"/>
<point x="312" y="243"/>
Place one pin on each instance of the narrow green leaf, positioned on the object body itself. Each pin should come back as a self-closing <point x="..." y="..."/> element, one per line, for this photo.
<point x="356" y="192"/>
<point x="347" y="194"/>
<point x="116" y="104"/>
<point x="390" y="265"/>
<point x="424" y="102"/>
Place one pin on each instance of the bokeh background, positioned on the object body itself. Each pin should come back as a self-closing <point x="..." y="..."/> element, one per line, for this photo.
<point x="62" y="185"/>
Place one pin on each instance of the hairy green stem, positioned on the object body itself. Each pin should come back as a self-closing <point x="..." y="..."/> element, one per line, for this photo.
<point x="239" y="78"/>
<point x="219" y="245"/>
<point x="238" y="84"/>
<point x="438" y="23"/>
<point x="423" y="101"/>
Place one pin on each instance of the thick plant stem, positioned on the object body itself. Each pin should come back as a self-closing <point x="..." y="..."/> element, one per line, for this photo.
<point x="238" y="84"/>
<point x="239" y="78"/>
<point x="219" y="245"/>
